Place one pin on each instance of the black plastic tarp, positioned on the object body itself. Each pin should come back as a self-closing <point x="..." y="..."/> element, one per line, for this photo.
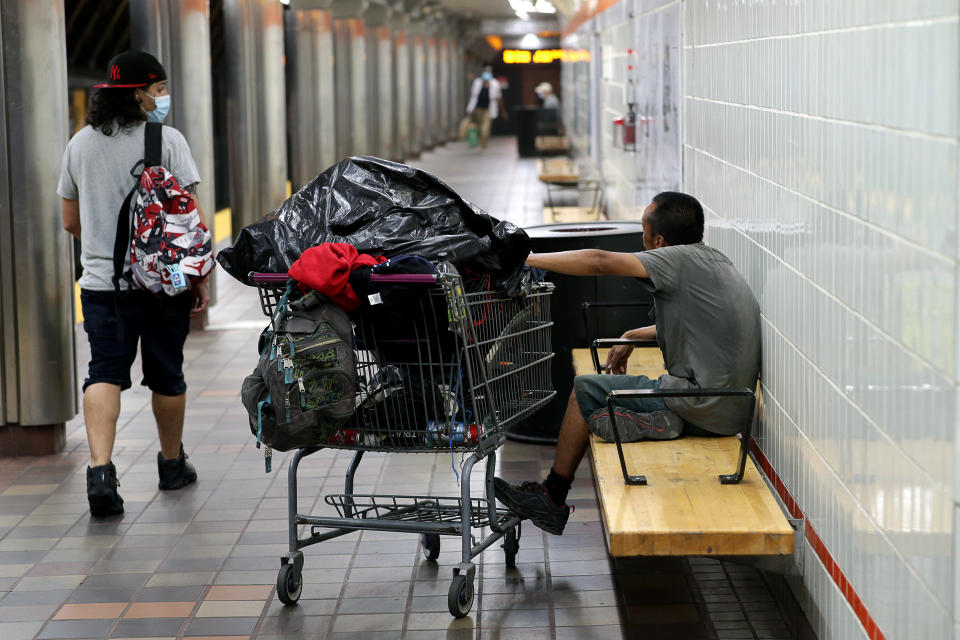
<point x="380" y="206"/>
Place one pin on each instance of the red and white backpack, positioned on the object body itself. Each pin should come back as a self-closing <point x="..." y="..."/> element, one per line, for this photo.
<point x="167" y="242"/>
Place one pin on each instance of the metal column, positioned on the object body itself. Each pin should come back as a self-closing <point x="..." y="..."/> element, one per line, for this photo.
<point x="312" y="93"/>
<point x="432" y="125"/>
<point x="401" y="77"/>
<point x="379" y="81"/>
<point x="177" y="32"/>
<point x="418" y="106"/>
<point x="38" y="386"/>
<point x="351" y="80"/>
<point x="256" y="108"/>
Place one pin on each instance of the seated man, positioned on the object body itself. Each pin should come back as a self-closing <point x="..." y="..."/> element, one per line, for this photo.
<point x="707" y="325"/>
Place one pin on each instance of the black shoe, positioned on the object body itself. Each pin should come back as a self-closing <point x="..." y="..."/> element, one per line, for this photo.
<point x="176" y="473"/>
<point x="102" y="493"/>
<point x="530" y="500"/>
<point x="634" y="426"/>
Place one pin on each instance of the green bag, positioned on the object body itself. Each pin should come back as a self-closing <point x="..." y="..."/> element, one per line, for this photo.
<point x="303" y="389"/>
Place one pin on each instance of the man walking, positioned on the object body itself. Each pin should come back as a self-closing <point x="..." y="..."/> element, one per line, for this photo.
<point x="94" y="181"/>
<point x="486" y="103"/>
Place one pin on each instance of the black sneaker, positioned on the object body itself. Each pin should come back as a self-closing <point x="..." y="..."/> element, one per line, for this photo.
<point x="634" y="426"/>
<point x="102" y="493"/>
<point x="530" y="500"/>
<point x="176" y="473"/>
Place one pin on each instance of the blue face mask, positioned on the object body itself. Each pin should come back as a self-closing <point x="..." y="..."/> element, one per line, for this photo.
<point x="487" y="76"/>
<point x="161" y="109"/>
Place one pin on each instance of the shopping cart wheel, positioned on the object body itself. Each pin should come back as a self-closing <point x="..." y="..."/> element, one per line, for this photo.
<point x="430" y="543"/>
<point x="289" y="584"/>
<point x="460" y="597"/>
<point x="511" y="544"/>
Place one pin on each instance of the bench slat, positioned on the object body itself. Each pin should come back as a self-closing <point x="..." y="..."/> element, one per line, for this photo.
<point x="683" y="510"/>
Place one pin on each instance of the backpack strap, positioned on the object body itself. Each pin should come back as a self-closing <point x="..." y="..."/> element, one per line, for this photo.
<point x="152" y="157"/>
<point x="153" y="144"/>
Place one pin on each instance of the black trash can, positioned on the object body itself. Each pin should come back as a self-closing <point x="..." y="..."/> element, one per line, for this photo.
<point x="572" y="329"/>
<point x="526" y="118"/>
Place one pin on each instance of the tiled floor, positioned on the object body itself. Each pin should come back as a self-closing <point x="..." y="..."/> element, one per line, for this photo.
<point x="202" y="562"/>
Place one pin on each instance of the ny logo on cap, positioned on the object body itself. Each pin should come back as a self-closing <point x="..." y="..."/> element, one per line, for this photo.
<point x="115" y="72"/>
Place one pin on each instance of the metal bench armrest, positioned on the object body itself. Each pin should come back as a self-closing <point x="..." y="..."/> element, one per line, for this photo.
<point x="610" y="342"/>
<point x="745" y="431"/>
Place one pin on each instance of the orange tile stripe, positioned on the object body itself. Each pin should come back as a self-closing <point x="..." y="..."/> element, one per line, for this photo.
<point x="836" y="574"/>
<point x="586" y="11"/>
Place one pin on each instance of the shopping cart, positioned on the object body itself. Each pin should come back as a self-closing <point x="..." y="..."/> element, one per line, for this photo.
<point x="446" y="371"/>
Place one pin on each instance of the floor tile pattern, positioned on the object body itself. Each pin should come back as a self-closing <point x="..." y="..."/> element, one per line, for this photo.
<point x="201" y="562"/>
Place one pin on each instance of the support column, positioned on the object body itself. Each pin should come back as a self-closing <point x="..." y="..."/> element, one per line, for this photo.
<point x="402" y="95"/>
<point x="380" y="81"/>
<point x="310" y="83"/>
<point x="256" y="109"/>
<point x="350" y="45"/>
<point x="418" y="102"/>
<point x="177" y="33"/>
<point x="38" y="386"/>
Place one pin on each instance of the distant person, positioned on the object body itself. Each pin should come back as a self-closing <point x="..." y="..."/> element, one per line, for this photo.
<point x="548" y="118"/>
<point x="94" y="181"/>
<point x="544" y="91"/>
<point x="486" y="103"/>
<point x="707" y="325"/>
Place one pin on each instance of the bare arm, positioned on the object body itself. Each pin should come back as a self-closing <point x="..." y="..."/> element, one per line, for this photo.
<point x="70" y="212"/>
<point x="589" y="262"/>
<point x="618" y="355"/>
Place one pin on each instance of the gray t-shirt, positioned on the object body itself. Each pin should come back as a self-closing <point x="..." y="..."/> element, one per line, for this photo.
<point x="708" y="327"/>
<point x="96" y="171"/>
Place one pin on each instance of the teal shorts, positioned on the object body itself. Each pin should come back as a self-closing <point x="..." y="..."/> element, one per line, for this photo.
<point x="592" y="393"/>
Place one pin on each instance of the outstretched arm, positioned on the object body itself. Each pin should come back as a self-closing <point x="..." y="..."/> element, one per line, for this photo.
<point x="589" y="262"/>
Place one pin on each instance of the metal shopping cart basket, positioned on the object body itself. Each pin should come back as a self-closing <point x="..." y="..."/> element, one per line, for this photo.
<point x="448" y="371"/>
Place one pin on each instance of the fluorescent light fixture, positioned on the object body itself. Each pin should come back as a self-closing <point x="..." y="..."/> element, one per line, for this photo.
<point x="523" y="8"/>
<point x="530" y="41"/>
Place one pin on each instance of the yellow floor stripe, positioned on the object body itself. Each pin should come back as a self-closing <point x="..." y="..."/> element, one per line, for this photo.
<point x="76" y="302"/>
<point x="222" y="225"/>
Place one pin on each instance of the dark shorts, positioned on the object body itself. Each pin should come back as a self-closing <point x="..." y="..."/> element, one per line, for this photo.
<point x="592" y="390"/>
<point x="159" y="324"/>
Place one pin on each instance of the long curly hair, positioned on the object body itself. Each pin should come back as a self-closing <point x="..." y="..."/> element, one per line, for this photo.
<point x="111" y="108"/>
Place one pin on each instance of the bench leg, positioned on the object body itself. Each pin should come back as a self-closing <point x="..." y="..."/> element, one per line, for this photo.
<point x="627" y="478"/>
<point x="735" y="478"/>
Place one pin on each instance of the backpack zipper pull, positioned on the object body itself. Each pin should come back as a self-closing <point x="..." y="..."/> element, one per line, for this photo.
<point x="267" y="458"/>
<point x="303" y="393"/>
<point x="288" y="371"/>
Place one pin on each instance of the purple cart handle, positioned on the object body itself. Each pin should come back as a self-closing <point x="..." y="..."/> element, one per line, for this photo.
<point x="423" y="278"/>
<point x="269" y="278"/>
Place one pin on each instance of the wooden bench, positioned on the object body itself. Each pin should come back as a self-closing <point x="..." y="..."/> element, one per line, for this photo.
<point x="684" y="509"/>
<point x="556" y="215"/>
<point x="563" y="173"/>
<point x="551" y="144"/>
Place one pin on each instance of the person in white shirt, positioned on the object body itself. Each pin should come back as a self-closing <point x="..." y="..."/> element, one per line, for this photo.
<point x="486" y="103"/>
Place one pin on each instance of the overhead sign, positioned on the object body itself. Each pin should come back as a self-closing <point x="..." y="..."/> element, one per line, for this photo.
<point x="544" y="56"/>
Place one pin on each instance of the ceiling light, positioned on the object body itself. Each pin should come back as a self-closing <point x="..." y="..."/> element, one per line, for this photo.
<point x="523" y="8"/>
<point x="529" y="41"/>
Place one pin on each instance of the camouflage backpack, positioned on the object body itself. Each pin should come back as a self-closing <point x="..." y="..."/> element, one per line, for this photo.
<point x="303" y="388"/>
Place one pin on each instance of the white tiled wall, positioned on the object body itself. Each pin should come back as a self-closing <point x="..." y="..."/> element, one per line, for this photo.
<point x="638" y="61"/>
<point x="822" y="138"/>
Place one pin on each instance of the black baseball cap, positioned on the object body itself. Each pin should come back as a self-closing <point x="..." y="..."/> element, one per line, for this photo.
<point x="132" y="69"/>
